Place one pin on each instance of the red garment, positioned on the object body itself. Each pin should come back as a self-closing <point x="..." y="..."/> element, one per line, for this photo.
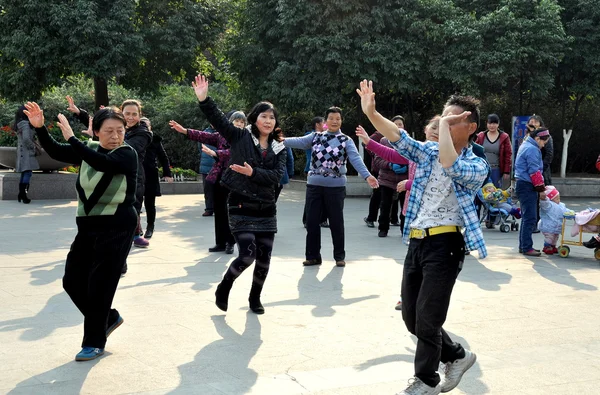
<point x="505" y="150"/>
<point x="598" y="163"/>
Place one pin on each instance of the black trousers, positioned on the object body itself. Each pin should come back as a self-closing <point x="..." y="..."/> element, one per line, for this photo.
<point x="330" y="200"/>
<point x="374" y="204"/>
<point x="389" y="208"/>
<point x="430" y="270"/>
<point x="92" y="273"/>
<point x="222" y="232"/>
<point x="209" y="194"/>
<point x="150" y="205"/>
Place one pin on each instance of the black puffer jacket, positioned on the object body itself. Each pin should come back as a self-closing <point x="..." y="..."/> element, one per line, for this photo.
<point x="268" y="170"/>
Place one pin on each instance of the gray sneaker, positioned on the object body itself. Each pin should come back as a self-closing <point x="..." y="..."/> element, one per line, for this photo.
<point x="417" y="387"/>
<point x="453" y="371"/>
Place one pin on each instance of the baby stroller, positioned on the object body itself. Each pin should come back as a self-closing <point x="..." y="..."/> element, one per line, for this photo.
<point x="506" y="220"/>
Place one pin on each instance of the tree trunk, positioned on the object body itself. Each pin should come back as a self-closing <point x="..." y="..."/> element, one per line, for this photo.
<point x="100" y="92"/>
<point x="565" y="152"/>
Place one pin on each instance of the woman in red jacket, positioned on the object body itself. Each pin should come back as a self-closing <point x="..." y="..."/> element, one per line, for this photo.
<point x="498" y="150"/>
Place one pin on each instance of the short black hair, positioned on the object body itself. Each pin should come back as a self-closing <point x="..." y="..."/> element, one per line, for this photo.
<point x="107" y="113"/>
<point x="334" y="110"/>
<point x="467" y="103"/>
<point x="537" y="118"/>
<point x="398" y="117"/>
<point x="258" y="109"/>
<point x="315" y="121"/>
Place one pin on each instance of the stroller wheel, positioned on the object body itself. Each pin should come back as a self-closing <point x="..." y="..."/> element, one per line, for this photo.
<point x="504" y="228"/>
<point x="563" y="251"/>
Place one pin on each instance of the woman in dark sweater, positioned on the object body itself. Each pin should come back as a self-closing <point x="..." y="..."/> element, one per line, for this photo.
<point x="106" y="218"/>
<point x="256" y="166"/>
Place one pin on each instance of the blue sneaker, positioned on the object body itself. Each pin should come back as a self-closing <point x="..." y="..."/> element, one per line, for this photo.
<point x="89" y="353"/>
<point x="114" y="326"/>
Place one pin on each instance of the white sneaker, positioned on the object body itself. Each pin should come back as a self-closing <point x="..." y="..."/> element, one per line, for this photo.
<point x="417" y="387"/>
<point x="453" y="371"/>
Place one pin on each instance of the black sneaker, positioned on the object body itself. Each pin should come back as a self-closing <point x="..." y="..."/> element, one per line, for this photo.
<point x="217" y="248"/>
<point x="592" y="243"/>
<point x="229" y="248"/>
<point x="370" y="224"/>
<point x="382" y="233"/>
<point x="324" y="224"/>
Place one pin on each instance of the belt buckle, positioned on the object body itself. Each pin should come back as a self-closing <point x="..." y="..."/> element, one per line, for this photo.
<point x="418" y="233"/>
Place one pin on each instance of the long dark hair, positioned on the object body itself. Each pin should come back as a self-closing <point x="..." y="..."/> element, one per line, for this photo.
<point x="259" y="108"/>
<point x="20" y="116"/>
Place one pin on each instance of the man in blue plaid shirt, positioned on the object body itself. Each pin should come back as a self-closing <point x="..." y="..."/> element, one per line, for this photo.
<point x="440" y="206"/>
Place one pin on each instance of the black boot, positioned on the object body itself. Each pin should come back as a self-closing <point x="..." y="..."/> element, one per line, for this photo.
<point x="222" y="293"/>
<point x="23" y="193"/>
<point x="149" y="231"/>
<point x="254" y="299"/>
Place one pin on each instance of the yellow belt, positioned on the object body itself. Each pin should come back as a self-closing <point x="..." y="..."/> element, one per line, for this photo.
<point x="422" y="233"/>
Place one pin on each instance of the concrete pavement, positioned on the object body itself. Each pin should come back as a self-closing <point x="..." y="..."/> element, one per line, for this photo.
<point x="533" y="322"/>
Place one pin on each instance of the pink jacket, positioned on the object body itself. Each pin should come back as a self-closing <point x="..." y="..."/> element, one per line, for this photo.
<point x="412" y="169"/>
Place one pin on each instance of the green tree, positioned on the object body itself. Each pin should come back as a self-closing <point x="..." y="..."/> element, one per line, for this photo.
<point x="141" y="43"/>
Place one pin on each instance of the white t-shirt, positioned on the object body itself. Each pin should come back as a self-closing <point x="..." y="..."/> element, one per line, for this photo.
<point x="439" y="205"/>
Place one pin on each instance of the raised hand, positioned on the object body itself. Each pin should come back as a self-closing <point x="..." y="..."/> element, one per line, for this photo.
<point x="35" y="114"/>
<point x="367" y="97"/>
<point x="200" y="87"/>
<point x="72" y="107"/>
<point x="373" y="183"/>
<point x="89" y="130"/>
<point x="245" y="170"/>
<point x="362" y="135"/>
<point x="177" y="127"/>
<point x="64" y="126"/>
<point x="452" y="119"/>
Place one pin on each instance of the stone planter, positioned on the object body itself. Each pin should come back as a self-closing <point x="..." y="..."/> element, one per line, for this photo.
<point x="8" y="158"/>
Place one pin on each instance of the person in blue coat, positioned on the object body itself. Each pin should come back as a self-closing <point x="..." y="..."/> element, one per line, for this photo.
<point x="529" y="169"/>
<point x="287" y="174"/>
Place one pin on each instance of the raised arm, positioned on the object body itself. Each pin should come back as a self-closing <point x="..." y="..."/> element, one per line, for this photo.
<point x="215" y="116"/>
<point x="304" y="142"/>
<point x="57" y="151"/>
<point x="122" y="160"/>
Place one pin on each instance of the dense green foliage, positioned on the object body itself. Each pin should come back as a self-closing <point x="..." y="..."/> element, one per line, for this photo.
<point x="519" y="56"/>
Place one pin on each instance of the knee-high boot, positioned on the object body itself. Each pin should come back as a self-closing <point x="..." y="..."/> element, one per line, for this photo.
<point x="23" y="188"/>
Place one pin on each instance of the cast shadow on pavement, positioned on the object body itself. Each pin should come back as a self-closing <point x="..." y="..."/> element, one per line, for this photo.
<point x="311" y="292"/>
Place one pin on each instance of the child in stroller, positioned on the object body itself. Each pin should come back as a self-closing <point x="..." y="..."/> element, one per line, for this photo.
<point x="498" y="208"/>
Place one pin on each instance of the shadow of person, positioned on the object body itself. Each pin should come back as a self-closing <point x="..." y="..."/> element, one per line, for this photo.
<point x="322" y="294"/>
<point x="68" y="378"/>
<point x="551" y="270"/>
<point x="482" y="276"/>
<point x="42" y="276"/>
<point x="44" y="322"/>
<point x="225" y="361"/>
<point x="196" y="275"/>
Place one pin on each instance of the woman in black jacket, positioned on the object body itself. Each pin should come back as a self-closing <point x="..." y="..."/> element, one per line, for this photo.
<point x="154" y="153"/>
<point x="256" y="166"/>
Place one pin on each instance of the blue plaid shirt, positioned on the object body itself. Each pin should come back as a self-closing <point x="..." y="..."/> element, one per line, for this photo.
<point x="467" y="174"/>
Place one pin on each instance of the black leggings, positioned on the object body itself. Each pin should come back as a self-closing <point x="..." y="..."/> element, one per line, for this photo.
<point x="150" y="205"/>
<point x="252" y="247"/>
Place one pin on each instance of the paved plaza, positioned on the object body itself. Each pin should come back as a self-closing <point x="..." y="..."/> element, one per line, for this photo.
<point x="533" y="322"/>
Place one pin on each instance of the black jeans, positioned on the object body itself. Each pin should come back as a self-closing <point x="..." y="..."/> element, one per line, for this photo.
<point x="330" y="199"/>
<point x="150" y="205"/>
<point x="209" y="194"/>
<point x="222" y="232"/>
<point x="430" y="270"/>
<point x="389" y="208"/>
<point x="374" y="204"/>
<point x="92" y="273"/>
